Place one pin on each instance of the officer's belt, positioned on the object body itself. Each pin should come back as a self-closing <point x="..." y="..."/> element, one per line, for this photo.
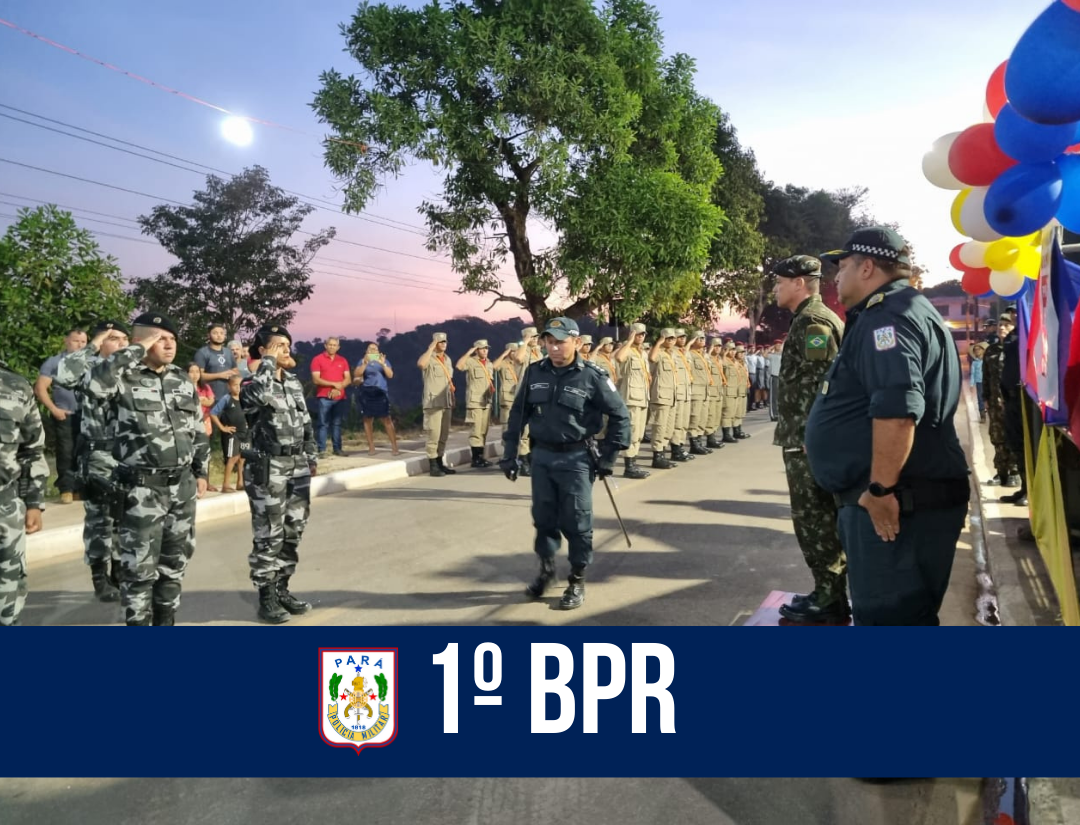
<point x="146" y="477"/>
<point x="918" y="494"/>
<point x="284" y="449"/>
<point x="99" y="446"/>
<point x="558" y="448"/>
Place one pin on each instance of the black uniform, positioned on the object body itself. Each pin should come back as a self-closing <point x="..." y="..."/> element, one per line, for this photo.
<point x="897" y="360"/>
<point x="1012" y="394"/>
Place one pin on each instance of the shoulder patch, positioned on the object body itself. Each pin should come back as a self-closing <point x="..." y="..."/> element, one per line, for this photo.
<point x="877" y="299"/>
<point x="884" y="338"/>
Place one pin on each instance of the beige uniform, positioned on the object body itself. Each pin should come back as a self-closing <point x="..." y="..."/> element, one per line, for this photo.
<point x="731" y="392"/>
<point x="479" y="392"/>
<point x="662" y="401"/>
<point x="683" y="379"/>
<point x="714" y="398"/>
<point x="438" y="403"/>
<point x="633" y="383"/>
<point x="701" y="378"/>
<point x="608" y="365"/>
<point x="509" y="377"/>
<point x="742" y="390"/>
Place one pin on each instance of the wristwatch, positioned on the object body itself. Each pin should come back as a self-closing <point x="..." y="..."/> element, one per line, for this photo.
<point x="879" y="490"/>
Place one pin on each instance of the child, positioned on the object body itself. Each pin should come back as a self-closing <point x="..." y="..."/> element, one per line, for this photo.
<point x="977" y="377"/>
<point x="229" y="418"/>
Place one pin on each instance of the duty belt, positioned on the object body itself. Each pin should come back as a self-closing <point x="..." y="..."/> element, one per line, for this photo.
<point x="559" y="448"/>
<point x="147" y="477"/>
<point x="99" y="446"/>
<point x="284" y="449"/>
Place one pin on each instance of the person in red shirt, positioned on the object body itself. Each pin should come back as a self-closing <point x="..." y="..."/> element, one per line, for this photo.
<point x="331" y="375"/>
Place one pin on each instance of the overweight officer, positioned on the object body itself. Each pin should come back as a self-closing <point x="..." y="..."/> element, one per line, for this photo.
<point x="881" y="438"/>
<point x="563" y="400"/>
<point x="278" y="465"/>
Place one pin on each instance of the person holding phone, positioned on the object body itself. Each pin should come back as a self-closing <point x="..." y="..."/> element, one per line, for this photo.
<point x="371" y="375"/>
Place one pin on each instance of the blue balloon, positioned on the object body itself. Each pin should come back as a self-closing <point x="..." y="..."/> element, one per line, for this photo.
<point x="1042" y="80"/>
<point x="1023" y="199"/>
<point x="1069" y="211"/>
<point x="989" y="294"/>
<point x="1030" y="142"/>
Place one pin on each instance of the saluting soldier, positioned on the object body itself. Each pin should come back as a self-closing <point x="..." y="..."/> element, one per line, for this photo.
<point x="528" y="352"/>
<point x="94" y="457"/>
<point x="683" y="379"/>
<point x="732" y="377"/>
<point x="586" y="350"/>
<point x="714" y="398"/>
<point x="479" y="393"/>
<point x="700" y="382"/>
<point x="438" y="402"/>
<point x="742" y="391"/>
<point x="604" y="357"/>
<point x="506" y="367"/>
<point x="163" y="458"/>
<point x="278" y="466"/>
<point x="662" y="398"/>
<point x="564" y="399"/>
<point x="633" y="383"/>
<point x="23" y="473"/>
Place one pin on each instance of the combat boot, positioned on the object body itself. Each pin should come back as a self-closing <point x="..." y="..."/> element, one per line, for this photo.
<point x="164" y="616"/>
<point x="104" y="589"/>
<point x="729" y="437"/>
<point x="713" y="442"/>
<point x="525" y="466"/>
<point x="288" y="601"/>
<point x="143" y="622"/>
<point x="478" y="459"/>
<point x="678" y="453"/>
<point x="447" y="470"/>
<point x="435" y="469"/>
<point x="817" y="609"/>
<point x="1011" y="481"/>
<point x="739" y="433"/>
<point x="632" y="470"/>
<point x="270" y="609"/>
<point x="697" y="448"/>
<point x="660" y="461"/>
<point x="544" y="579"/>
<point x="574" y="595"/>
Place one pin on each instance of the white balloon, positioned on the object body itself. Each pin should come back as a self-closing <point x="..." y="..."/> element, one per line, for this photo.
<point x="973" y="254"/>
<point x="935" y="163"/>
<point x="1007" y="282"/>
<point x="973" y="217"/>
<point x="987" y="116"/>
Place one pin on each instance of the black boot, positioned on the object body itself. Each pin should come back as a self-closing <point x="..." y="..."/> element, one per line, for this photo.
<point x="525" y="465"/>
<point x="574" y="595"/>
<point x="632" y="470"/>
<point x="713" y="442"/>
<point x="697" y="448"/>
<point x="739" y="433"/>
<point x="288" y="601"/>
<point x="104" y="589"/>
<point x="678" y="453"/>
<point x="1012" y="481"/>
<point x="435" y="469"/>
<point x="817" y="609"/>
<point x="1019" y="498"/>
<point x="729" y="437"/>
<point x="660" y="461"/>
<point x="143" y="622"/>
<point x="164" y="616"/>
<point x="448" y="470"/>
<point x="114" y="573"/>
<point x="270" y="609"/>
<point x="478" y="459"/>
<point x="544" y="579"/>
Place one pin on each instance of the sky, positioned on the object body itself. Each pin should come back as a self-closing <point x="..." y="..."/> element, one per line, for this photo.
<point x="831" y="94"/>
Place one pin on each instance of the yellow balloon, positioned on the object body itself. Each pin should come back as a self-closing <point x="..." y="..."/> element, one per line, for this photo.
<point x="1029" y="261"/>
<point x="957" y="205"/>
<point x="1002" y="254"/>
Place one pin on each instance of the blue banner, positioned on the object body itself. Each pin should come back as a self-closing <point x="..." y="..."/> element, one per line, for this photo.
<point x="470" y="701"/>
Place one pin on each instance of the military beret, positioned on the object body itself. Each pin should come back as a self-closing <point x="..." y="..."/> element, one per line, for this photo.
<point x="798" y="266"/>
<point x="586" y="339"/>
<point x="637" y="329"/>
<point x="438" y="337"/>
<point x="103" y="326"/>
<point x="562" y="328"/>
<point x="668" y="332"/>
<point x="607" y="339"/>
<point x="155" y="320"/>
<point x="481" y="344"/>
<point x="267" y="331"/>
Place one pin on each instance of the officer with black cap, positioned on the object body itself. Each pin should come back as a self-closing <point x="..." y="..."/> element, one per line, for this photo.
<point x="279" y="462"/>
<point x="563" y="400"/>
<point x="163" y="457"/>
<point x="881" y="436"/>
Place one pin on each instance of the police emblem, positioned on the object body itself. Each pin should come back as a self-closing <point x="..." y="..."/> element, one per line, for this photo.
<point x="884" y="338"/>
<point x="361" y="684"/>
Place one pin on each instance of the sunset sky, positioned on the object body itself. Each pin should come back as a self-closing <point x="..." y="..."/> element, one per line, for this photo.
<point x="831" y="94"/>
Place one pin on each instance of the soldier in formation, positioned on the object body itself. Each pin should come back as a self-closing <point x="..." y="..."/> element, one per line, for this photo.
<point x="438" y="402"/>
<point x="634" y="379"/>
<point x="1005" y="461"/>
<point x="479" y="394"/>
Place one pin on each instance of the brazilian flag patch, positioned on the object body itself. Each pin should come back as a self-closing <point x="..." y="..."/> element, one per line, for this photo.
<point x="817" y="341"/>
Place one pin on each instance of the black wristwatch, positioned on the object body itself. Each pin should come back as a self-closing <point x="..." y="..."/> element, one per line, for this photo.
<point x="879" y="490"/>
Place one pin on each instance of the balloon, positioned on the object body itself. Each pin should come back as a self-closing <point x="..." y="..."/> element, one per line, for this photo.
<point x="988" y="294"/>
<point x="1043" y="77"/>
<point x="1001" y="255"/>
<point x="975" y="158"/>
<point x="973" y="254"/>
<point x="995" y="90"/>
<point x="935" y="163"/>
<point x="973" y="217"/>
<point x="1069" y="211"/>
<point x="1008" y="283"/>
<point x="975" y="281"/>
<point x="1030" y="142"/>
<point x="1023" y="199"/>
<point x="1028" y="261"/>
<point x="957" y="206"/>
<point x="954" y="259"/>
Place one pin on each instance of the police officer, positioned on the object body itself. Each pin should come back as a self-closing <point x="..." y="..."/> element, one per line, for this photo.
<point x="700" y="381"/>
<point x="633" y="383"/>
<point x="479" y="393"/>
<point x="437" y="402"/>
<point x="163" y="458"/>
<point x="662" y="398"/>
<point x="881" y="436"/>
<point x="714" y="398"/>
<point x="528" y="352"/>
<point x="1005" y="462"/>
<point x="279" y="462"/>
<point x="564" y="399"/>
<point x="812" y="344"/>
<point x="23" y="473"/>
<point x="94" y="458"/>
<point x="506" y="367"/>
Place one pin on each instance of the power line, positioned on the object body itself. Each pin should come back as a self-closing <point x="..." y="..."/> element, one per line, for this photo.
<point x="96" y="232"/>
<point x="80" y="217"/>
<point x="68" y="207"/>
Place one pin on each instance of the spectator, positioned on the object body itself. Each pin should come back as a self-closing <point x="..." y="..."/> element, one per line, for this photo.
<point x="330" y="374"/>
<point x="206" y="401"/>
<point x="228" y="417"/>
<point x="775" y="354"/>
<point x="216" y="362"/>
<point x="371" y="374"/>
<point x="977" y="377"/>
<point x="240" y="357"/>
<point x="63" y="409"/>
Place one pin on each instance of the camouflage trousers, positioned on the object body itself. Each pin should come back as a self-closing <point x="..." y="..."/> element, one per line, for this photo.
<point x="279" y="514"/>
<point x="157" y="539"/>
<point x="638" y="417"/>
<point x="12" y="558"/>
<point x="699" y="412"/>
<point x="1005" y="462"/>
<point x="682" y="422"/>
<point x="100" y="537"/>
<point x="813" y="512"/>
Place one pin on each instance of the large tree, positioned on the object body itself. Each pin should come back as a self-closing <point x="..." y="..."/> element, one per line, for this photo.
<point x="53" y="277"/>
<point x="553" y="116"/>
<point x="236" y="263"/>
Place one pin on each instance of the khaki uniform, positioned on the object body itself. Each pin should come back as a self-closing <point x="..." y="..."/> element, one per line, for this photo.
<point x="701" y="378"/>
<point x="714" y="397"/>
<point x="479" y="392"/>
<point x="741" y="392"/>
<point x="523" y="445"/>
<point x="438" y="403"/>
<point x="608" y="365"/>
<point x="732" y="376"/>
<point x="662" y="401"/>
<point x="683" y="383"/>
<point x="633" y="383"/>
<point x="508" y="384"/>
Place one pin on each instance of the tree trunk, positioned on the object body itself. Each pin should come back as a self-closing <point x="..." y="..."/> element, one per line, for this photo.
<point x="514" y="218"/>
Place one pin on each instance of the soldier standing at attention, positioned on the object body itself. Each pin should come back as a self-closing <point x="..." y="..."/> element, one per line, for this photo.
<point x="683" y="378"/>
<point x="732" y="376"/>
<point x="507" y="369"/>
<point x="633" y="386"/>
<point x="1005" y="463"/>
<point x="23" y="474"/>
<point x="662" y="398"/>
<point x="714" y="398"/>
<point x="742" y="391"/>
<point x="528" y="352"/>
<point x="163" y="458"/>
<point x="479" y="392"/>
<point x="881" y="436"/>
<point x="94" y="457"/>
<point x="437" y="402"/>
<point x="565" y="398"/>
<point x="604" y="357"/>
<point x="586" y="350"/>
<point x="700" y="382"/>
<point x="812" y="344"/>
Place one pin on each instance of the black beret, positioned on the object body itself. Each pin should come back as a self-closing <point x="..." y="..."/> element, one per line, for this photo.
<point x="264" y="334"/>
<point x="155" y="320"/>
<point x="102" y="326"/>
<point x="798" y="266"/>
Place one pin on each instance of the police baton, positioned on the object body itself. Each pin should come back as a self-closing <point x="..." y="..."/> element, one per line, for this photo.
<point x="594" y="453"/>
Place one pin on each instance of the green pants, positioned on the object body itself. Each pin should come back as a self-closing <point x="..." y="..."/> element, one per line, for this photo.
<point x="562" y="504"/>
<point x="813" y="514"/>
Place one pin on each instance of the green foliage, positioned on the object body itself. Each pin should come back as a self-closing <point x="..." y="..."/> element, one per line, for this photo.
<point x="236" y="263"/>
<point x="53" y="277"/>
<point x="335" y="684"/>
<point x="536" y="112"/>
<point x="380" y="680"/>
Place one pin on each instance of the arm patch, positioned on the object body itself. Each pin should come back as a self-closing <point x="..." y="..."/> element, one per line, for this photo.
<point x="818" y="337"/>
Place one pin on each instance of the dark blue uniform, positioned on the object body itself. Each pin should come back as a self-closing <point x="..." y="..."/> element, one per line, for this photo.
<point x="897" y="360"/>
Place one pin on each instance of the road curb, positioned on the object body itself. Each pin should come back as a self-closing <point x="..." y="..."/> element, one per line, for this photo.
<point x="67" y="541"/>
<point x="987" y="609"/>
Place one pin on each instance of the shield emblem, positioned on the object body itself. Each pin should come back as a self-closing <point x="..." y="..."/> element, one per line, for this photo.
<point x="358" y="697"/>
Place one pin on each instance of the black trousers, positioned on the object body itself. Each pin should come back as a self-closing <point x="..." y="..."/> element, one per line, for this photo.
<point x="1014" y="429"/>
<point x="64" y="433"/>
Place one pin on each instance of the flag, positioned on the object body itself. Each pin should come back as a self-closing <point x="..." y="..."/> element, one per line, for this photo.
<point x="1072" y="379"/>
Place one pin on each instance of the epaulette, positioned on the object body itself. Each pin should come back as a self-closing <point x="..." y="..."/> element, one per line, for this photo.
<point x="877" y="299"/>
<point x="598" y="368"/>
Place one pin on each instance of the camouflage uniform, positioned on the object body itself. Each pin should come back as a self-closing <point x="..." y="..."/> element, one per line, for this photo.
<point x="161" y="448"/>
<point x="810" y="348"/>
<point x="1004" y="458"/>
<point x="23" y="473"/>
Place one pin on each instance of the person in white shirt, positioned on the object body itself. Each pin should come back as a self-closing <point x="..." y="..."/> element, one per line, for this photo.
<point x="773" y="359"/>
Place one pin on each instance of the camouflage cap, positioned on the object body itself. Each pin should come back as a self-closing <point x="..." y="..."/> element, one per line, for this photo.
<point x="481" y="344"/>
<point x="155" y="320"/>
<point x="103" y="326"/>
<point x="881" y="242"/>
<point x="798" y="266"/>
<point x="667" y="332"/>
<point x="562" y="328"/>
<point x="586" y="339"/>
<point x="637" y="329"/>
<point x="607" y="339"/>
<point x="438" y="338"/>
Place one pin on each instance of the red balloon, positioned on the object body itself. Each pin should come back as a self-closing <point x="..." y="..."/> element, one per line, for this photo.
<point x="995" y="90"/>
<point x="976" y="281"/>
<point x="975" y="157"/>
<point x="954" y="259"/>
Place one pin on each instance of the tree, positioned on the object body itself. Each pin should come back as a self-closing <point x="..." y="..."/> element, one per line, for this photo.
<point x="236" y="264"/>
<point x="945" y="289"/>
<point x="549" y="115"/>
<point x="53" y="277"/>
